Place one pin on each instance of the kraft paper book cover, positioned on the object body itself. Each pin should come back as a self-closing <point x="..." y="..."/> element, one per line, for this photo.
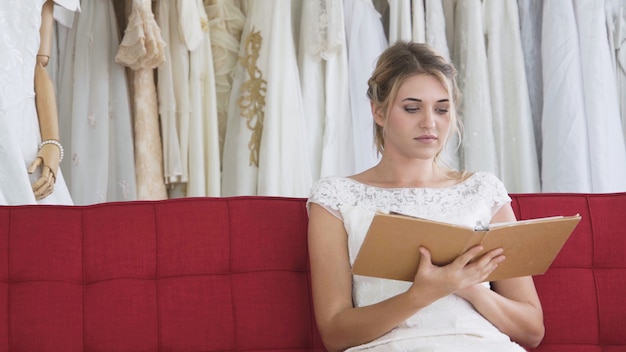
<point x="390" y="248"/>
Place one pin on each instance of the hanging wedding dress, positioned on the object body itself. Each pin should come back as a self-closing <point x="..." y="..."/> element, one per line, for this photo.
<point x="607" y="153"/>
<point x="204" y="158"/>
<point x="435" y="36"/>
<point x="565" y="155"/>
<point x="323" y="64"/>
<point x="366" y="41"/>
<point x="20" y="22"/>
<point x="418" y="16"/>
<point x="512" y="119"/>
<point x="400" y="26"/>
<point x="225" y="26"/>
<point x="469" y="56"/>
<point x="530" y="17"/>
<point x="173" y="92"/>
<point x="102" y="153"/>
<point x="616" y="23"/>
<point x="263" y="151"/>
<point x="142" y="49"/>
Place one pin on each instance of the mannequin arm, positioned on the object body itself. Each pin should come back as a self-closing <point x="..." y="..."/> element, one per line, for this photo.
<point x="49" y="155"/>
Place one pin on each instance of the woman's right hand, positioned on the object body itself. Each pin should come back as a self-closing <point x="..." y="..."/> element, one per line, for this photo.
<point x="465" y="271"/>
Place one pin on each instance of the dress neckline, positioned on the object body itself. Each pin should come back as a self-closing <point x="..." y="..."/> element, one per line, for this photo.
<point x="411" y="188"/>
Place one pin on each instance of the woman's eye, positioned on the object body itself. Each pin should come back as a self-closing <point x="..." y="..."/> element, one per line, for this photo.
<point x="441" y="111"/>
<point x="411" y="109"/>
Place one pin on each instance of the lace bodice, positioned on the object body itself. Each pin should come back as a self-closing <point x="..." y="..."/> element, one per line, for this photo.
<point x="476" y="199"/>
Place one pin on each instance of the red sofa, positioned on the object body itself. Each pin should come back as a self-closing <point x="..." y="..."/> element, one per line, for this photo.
<point x="231" y="274"/>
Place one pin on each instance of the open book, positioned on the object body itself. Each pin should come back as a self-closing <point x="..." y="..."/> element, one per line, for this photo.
<point x="391" y="247"/>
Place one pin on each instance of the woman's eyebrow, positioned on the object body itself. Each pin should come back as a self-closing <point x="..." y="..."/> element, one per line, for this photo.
<point x="420" y="100"/>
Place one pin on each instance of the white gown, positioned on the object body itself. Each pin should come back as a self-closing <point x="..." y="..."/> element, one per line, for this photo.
<point x="607" y="153"/>
<point x="20" y="21"/>
<point x="470" y="58"/>
<point x="530" y="17"/>
<point x="418" y="17"/>
<point x="95" y="88"/>
<point x="323" y="64"/>
<point x="204" y="153"/>
<point x="565" y="154"/>
<point x="435" y="36"/>
<point x="225" y="25"/>
<point x="173" y="90"/>
<point x="510" y="103"/>
<point x="400" y="26"/>
<point x="616" y="23"/>
<point x="366" y="41"/>
<point x="263" y="153"/>
<point x="450" y="323"/>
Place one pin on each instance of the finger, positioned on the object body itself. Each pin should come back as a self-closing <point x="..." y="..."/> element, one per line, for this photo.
<point x="425" y="257"/>
<point x="44" y="190"/>
<point x="470" y="254"/>
<point x="33" y="166"/>
<point x="44" y="182"/>
<point x="494" y="255"/>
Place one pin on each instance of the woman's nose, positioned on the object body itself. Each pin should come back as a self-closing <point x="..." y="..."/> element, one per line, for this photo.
<point x="428" y="120"/>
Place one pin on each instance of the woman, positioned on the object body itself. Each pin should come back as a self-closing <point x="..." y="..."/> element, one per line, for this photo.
<point x="413" y="96"/>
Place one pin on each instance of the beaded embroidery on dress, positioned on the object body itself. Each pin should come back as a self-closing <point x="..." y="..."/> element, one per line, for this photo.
<point x="450" y="323"/>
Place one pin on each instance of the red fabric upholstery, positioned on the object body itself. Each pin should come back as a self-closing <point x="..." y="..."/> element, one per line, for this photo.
<point x="231" y="274"/>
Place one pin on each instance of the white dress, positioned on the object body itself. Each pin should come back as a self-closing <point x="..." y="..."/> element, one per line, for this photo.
<point x="173" y="90"/>
<point x="94" y="92"/>
<point x="607" y="153"/>
<point x="204" y="153"/>
<point x="400" y="26"/>
<point x="616" y="23"/>
<point x="510" y="103"/>
<point x="323" y="67"/>
<point x="20" y="21"/>
<point x="470" y="58"/>
<point x="530" y="17"/>
<point x="366" y="41"/>
<point x="225" y="25"/>
<point x="565" y="155"/>
<point x="263" y="153"/>
<point x="436" y="37"/>
<point x="450" y="323"/>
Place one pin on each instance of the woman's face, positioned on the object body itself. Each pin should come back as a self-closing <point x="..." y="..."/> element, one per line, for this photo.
<point x="419" y="120"/>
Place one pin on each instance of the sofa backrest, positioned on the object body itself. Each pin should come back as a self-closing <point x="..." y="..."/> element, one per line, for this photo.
<point x="231" y="274"/>
<point x="195" y="274"/>
<point x="583" y="294"/>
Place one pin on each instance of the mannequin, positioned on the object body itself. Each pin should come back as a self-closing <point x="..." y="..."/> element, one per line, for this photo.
<point x="30" y="150"/>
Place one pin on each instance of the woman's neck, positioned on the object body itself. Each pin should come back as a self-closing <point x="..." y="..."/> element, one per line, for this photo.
<point x="416" y="174"/>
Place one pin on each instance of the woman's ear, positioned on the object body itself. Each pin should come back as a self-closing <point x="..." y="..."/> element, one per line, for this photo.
<point x="377" y="112"/>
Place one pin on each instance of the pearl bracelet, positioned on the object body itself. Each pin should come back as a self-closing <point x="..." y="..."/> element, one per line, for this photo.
<point x="55" y="142"/>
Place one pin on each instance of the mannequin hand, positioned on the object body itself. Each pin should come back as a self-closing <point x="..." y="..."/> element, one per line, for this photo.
<point x="441" y="281"/>
<point x="48" y="158"/>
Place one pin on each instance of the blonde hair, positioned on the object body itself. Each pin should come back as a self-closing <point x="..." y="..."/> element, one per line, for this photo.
<point x="401" y="61"/>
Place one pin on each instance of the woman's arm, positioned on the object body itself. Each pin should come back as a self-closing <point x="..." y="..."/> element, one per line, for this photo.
<point x="340" y="324"/>
<point x="513" y="306"/>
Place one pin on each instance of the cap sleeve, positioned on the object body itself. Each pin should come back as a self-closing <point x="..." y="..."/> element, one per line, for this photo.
<point x="499" y="194"/>
<point x="330" y="193"/>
